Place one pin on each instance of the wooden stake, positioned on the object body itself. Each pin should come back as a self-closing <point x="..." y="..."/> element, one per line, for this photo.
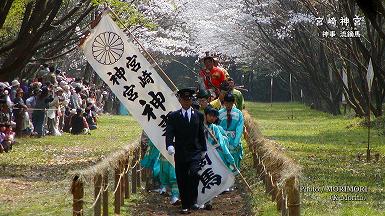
<point x="273" y="189"/>
<point x="293" y="197"/>
<point x="97" y="197"/>
<point x="117" y="192"/>
<point x="263" y="173"/>
<point x="122" y="185"/>
<point x="105" y="194"/>
<point x="279" y="200"/>
<point x="138" y="171"/>
<point x="259" y="166"/>
<point x="133" y="176"/>
<point x="284" y="211"/>
<point x="126" y="181"/>
<point x="268" y="186"/>
<point x="77" y="190"/>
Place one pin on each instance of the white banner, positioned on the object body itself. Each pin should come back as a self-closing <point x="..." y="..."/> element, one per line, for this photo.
<point x="120" y="64"/>
<point x="370" y="75"/>
<point x="215" y="177"/>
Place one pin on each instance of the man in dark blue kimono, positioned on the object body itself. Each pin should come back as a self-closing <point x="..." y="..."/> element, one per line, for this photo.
<point x="185" y="139"/>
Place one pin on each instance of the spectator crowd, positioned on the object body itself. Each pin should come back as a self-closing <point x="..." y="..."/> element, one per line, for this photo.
<point x="49" y="104"/>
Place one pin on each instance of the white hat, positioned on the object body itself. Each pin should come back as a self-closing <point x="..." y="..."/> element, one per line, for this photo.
<point x="59" y="89"/>
<point x="73" y="111"/>
<point x="15" y="83"/>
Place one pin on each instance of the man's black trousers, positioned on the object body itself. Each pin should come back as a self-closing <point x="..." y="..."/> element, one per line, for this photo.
<point x="187" y="180"/>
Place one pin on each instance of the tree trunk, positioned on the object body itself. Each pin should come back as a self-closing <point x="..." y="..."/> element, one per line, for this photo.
<point x="5" y="6"/>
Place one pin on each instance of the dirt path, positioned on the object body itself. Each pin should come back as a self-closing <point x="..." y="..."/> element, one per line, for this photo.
<point x="232" y="203"/>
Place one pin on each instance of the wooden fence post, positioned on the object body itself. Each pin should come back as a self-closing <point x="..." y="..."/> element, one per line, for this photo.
<point x="259" y="167"/>
<point x="117" y="192"/>
<point x="293" y="197"/>
<point x="279" y="200"/>
<point x="105" y="194"/>
<point x="122" y="183"/>
<point x="273" y="189"/>
<point x="133" y="175"/>
<point x="126" y="181"/>
<point x="263" y="172"/>
<point x="77" y="190"/>
<point x="97" y="194"/>
<point x="268" y="186"/>
<point x="138" y="169"/>
<point x="284" y="211"/>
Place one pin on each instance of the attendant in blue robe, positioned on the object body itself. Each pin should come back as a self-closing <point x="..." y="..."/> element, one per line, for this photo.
<point x="216" y="136"/>
<point x="231" y="120"/>
<point x="221" y="141"/>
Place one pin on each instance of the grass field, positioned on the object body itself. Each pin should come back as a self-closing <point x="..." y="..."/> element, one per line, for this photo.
<point x="326" y="147"/>
<point x="34" y="177"/>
